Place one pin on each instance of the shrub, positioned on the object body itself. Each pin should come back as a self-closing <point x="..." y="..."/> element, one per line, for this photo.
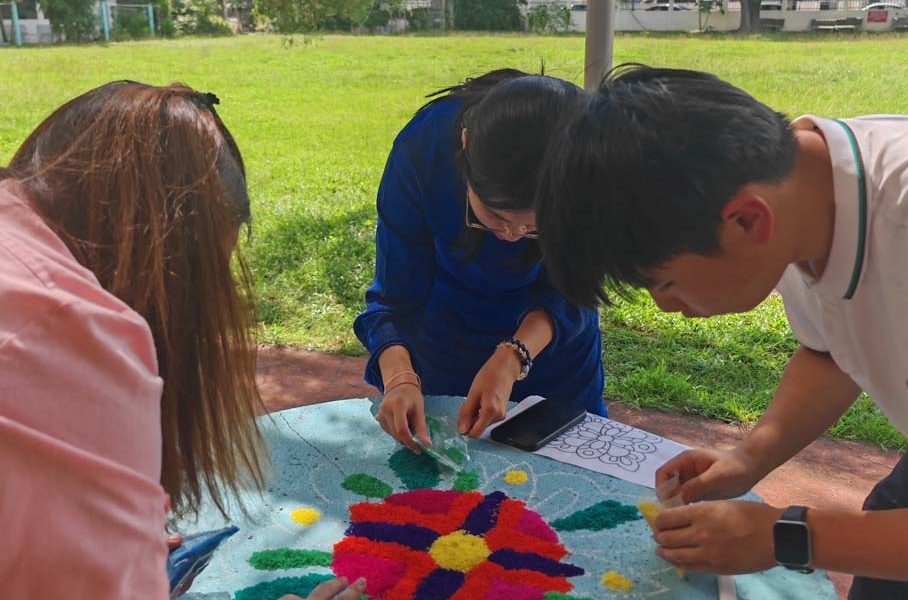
<point x="487" y="15"/>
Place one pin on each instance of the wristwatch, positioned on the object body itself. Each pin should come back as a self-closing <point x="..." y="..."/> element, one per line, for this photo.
<point x="791" y="540"/>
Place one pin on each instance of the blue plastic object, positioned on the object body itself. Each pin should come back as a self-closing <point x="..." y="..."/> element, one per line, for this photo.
<point x="192" y="556"/>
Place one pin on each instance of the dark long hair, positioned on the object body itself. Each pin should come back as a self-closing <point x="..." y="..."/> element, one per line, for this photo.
<point x="147" y="189"/>
<point x="510" y="117"/>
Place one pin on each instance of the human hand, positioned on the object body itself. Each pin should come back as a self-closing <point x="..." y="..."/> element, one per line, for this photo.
<point x="401" y="412"/>
<point x="174" y="541"/>
<point x="336" y="589"/>
<point x="710" y="474"/>
<point x="487" y="400"/>
<point x="725" y="537"/>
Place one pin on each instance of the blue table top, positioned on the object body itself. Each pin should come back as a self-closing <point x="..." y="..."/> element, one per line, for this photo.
<point x="315" y="449"/>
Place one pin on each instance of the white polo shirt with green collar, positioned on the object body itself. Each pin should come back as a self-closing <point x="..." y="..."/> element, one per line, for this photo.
<point x="858" y="309"/>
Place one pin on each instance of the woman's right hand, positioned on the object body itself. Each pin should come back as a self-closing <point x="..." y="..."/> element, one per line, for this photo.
<point x="711" y="474"/>
<point x="402" y="414"/>
<point x="336" y="589"/>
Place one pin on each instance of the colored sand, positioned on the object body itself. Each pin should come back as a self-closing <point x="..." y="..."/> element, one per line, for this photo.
<point x="467" y="481"/>
<point x="366" y="485"/>
<point x="277" y="588"/>
<point x="305" y="516"/>
<point x="416" y="471"/>
<point x="516" y="477"/>
<point x="602" y="515"/>
<point x="288" y="558"/>
<point x="560" y="596"/>
<point x="651" y="510"/>
<point x="459" y="551"/>
<point x="616" y="582"/>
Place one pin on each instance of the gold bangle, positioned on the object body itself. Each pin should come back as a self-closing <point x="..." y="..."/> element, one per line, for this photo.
<point x="405" y="382"/>
<point x="396" y="375"/>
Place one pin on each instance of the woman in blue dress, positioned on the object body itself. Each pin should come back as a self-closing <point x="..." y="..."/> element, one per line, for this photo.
<point x="461" y="304"/>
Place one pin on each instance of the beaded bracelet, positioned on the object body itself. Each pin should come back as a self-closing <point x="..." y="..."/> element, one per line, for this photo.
<point x="526" y="363"/>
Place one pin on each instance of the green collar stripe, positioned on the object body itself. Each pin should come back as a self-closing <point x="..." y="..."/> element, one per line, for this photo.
<point x="862" y="212"/>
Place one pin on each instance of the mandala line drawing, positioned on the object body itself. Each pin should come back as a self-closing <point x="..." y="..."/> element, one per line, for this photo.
<point x="609" y="442"/>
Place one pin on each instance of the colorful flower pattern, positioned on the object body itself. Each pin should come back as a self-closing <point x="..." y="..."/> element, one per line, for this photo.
<point x="437" y="544"/>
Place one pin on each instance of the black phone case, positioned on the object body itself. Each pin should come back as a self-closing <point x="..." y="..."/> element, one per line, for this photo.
<point x="499" y="436"/>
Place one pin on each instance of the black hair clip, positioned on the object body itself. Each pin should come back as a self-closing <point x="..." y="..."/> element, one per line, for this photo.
<point x="208" y="100"/>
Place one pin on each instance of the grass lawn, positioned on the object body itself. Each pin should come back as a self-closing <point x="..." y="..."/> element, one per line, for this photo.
<point x="315" y="122"/>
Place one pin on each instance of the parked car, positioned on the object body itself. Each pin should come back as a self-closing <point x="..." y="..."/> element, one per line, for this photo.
<point x="885" y="6"/>
<point x="771" y="5"/>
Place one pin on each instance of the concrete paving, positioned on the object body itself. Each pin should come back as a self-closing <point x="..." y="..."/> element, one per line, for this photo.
<point x="828" y="473"/>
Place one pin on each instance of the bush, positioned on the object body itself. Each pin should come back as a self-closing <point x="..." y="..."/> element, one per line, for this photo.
<point x="75" y="19"/>
<point x="199" y="17"/>
<point x="487" y="15"/>
<point x="130" y="25"/>
<point x="167" y="28"/>
<point x="419" y="19"/>
<point x="549" y="18"/>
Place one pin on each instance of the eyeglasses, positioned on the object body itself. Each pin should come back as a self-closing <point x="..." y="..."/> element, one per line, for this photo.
<point x="473" y="222"/>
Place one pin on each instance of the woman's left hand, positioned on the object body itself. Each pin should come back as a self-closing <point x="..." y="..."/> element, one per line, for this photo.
<point x="725" y="537"/>
<point x="487" y="401"/>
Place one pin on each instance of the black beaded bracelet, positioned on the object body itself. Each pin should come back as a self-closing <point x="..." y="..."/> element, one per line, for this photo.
<point x="526" y="363"/>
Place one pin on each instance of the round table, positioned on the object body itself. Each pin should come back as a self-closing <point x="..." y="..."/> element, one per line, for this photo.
<point x="316" y="449"/>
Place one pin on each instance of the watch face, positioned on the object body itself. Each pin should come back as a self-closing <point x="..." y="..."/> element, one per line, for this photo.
<point x="791" y="543"/>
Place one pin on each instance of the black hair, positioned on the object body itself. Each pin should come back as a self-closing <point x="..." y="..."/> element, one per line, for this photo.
<point x="642" y="171"/>
<point x="510" y="117"/>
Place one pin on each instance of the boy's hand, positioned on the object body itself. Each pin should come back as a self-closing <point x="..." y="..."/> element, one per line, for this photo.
<point x="487" y="400"/>
<point x="401" y="412"/>
<point x="725" y="537"/>
<point x="711" y="474"/>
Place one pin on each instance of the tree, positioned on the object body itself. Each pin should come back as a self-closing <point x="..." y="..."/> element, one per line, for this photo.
<point x="489" y="15"/>
<point x="303" y="16"/>
<point x="750" y="16"/>
<point x="75" y="19"/>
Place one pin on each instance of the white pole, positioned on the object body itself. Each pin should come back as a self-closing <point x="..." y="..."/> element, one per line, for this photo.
<point x="600" y="41"/>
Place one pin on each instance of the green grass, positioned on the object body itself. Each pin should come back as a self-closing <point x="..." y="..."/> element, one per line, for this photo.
<point x="315" y="123"/>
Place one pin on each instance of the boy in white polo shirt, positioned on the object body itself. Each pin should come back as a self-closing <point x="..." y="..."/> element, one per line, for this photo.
<point x="679" y="182"/>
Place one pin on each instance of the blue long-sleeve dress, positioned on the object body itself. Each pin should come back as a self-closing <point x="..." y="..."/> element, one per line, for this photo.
<point x="450" y="313"/>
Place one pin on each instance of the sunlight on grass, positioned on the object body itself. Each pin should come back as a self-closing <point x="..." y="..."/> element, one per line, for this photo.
<point x="315" y="123"/>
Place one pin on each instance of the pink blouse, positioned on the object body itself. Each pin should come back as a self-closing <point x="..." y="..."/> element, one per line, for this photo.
<point x="82" y="514"/>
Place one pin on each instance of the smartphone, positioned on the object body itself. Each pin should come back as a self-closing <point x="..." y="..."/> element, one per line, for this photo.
<point x="538" y="425"/>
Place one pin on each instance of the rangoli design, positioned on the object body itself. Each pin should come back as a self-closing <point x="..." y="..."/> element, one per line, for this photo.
<point x="430" y="544"/>
<point x="609" y="442"/>
<point x="437" y="544"/>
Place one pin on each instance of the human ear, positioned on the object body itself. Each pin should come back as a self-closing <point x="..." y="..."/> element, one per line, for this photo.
<point x="751" y="216"/>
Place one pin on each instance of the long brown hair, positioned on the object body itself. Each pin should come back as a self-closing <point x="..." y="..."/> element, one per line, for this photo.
<point x="147" y="188"/>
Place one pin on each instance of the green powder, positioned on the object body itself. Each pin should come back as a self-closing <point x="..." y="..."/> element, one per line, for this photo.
<point x="560" y="596"/>
<point x="287" y="558"/>
<point x="277" y="588"/>
<point x="603" y="515"/>
<point x="416" y="471"/>
<point x="467" y="481"/>
<point x="366" y="485"/>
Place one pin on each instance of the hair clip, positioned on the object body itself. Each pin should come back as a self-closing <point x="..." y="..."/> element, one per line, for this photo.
<point x="208" y="99"/>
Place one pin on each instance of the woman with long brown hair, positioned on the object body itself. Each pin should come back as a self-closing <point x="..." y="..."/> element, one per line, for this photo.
<point x="127" y="358"/>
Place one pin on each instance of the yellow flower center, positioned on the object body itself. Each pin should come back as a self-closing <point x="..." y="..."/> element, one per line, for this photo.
<point x="459" y="551"/>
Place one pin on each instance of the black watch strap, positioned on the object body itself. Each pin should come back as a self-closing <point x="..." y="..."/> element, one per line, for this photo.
<point x="791" y="537"/>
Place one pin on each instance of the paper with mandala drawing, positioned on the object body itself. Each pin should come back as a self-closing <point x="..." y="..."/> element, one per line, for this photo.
<point x="607" y="446"/>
